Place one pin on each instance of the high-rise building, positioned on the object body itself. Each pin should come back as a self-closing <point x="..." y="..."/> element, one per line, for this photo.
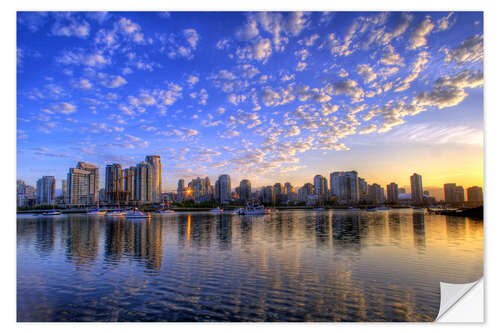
<point x="290" y="194"/>
<point x="113" y="183"/>
<point x="392" y="192"/>
<point x="155" y="162"/>
<point x="224" y="189"/>
<point x="46" y="190"/>
<point x="26" y="194"/>
<point x="278" y="192"/>
<point x="143" y="182"/>
<point x="93" y="191"/>
<point x="376" y="193"/>
<point x="475" y="195"/>
<point x="362" y="186"/>
<point x="320" y="187"/>
<point x="245" y="190"/>
<point x="128" y="184"/>
<point x="64" y="190"/>
<point x="450" y="191"/>
<point x="208" y="194"/>
<point x="417" y="190"/>
<point x="78" y="184"/>
<point x="344" y="186"/>
<point x="268" y="195"/>
<point x="181" y="190"/>
<point x="460" y="194"/>
<point x="305" y="191"/>
<point x="454" y="193"/>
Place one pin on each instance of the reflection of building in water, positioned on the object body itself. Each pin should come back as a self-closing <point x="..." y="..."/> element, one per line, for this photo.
<point x="44" y="237"/>
<point x="322" y="230"/>
<point x="246" y="230"/>
<point x="200" y="230"/>
<point x="113" y="244"/>
<point x="147" y="243"/>
<point x="138" y="240"/>
<point x="224" y="231"/>
<point x="419" y="230"/>
<point x="455" y="229"/>
<point x="82" y="238"/>
<point x="394" y="220"/>
<point x="346" y="232"/>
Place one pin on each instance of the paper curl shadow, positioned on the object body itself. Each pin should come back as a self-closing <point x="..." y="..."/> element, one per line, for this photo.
<point x="452" y="294"/>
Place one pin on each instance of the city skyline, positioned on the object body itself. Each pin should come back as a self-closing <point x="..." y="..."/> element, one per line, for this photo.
<point x="271" y="97"/>
<point x="320" y="184"/>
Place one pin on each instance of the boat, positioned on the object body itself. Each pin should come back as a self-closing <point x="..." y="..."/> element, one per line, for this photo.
<point x="115" y="212"/>
<point x="137" y="214"/>
<point x="254" y="209"/>
<point x="319" y="208"/>
<point x="52" y="212"/>
<point x="165" y="211"/>
<point x="96" y="212"/>
<point x="371" y="210"/>
<point x="216" y="210"/>
<point x="353" y="208"/>
<point x="382" y="208"/>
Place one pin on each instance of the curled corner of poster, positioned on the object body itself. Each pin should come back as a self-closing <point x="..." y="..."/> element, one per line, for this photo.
<point x="462" y="303"/>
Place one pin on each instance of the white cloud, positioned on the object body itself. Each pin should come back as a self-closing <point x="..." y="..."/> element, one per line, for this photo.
<point x="64" y="108"/>
<point x="416" y="69"/>
<point x="418" y="36"/>
<point x="391" y="57"/>
<point x="72" y="28"/>
<point x="247" y="31"/>
<point x="470" y="50"/>
<point x="127" y="26"/>
<point x="192" y="37"/>
<point x="348" y="87"/>
<point x="368" y="129"/>
<point x="293" y="131"/>
<point x="192" y="80"/>
<point x="301" y="66"/>
<point x="79" y="58"/>
<point x="445" y="22"/>
<point x="83" y="84"/>
<point x="448" y="90"/>
<point x="366" y="72"/>
<point x="111" y="81"/>
<point x="236" y="99"/>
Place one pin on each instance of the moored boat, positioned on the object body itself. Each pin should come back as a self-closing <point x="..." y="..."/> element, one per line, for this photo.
<point x="96" y="212"/>
<point x="116" y="212"/>
<point x="255" y="210"/>
<point x="216" y="210"/>
<point x="137" y="214"/>
<point x="165" y="211"/>
<point x="52" y="212"/>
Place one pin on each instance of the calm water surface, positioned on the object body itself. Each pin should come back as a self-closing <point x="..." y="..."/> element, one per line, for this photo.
<point x="288" y="266"/>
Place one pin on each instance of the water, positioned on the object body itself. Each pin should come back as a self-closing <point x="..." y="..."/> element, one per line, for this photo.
<point x="288" y="266"/>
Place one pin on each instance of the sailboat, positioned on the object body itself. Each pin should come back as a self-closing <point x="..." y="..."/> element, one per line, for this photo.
<point x="96" y="211"/>
<point x="116" y="212"/>
<point x="166" y="211"/>
<point x="52" y="211"/>
<point x="137" y="214"/>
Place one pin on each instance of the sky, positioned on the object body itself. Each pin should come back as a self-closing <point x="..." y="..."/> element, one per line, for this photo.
<point x="268" y="96"/>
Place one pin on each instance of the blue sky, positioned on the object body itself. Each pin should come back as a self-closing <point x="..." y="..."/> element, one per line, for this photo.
<point x="268" y="96"/>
